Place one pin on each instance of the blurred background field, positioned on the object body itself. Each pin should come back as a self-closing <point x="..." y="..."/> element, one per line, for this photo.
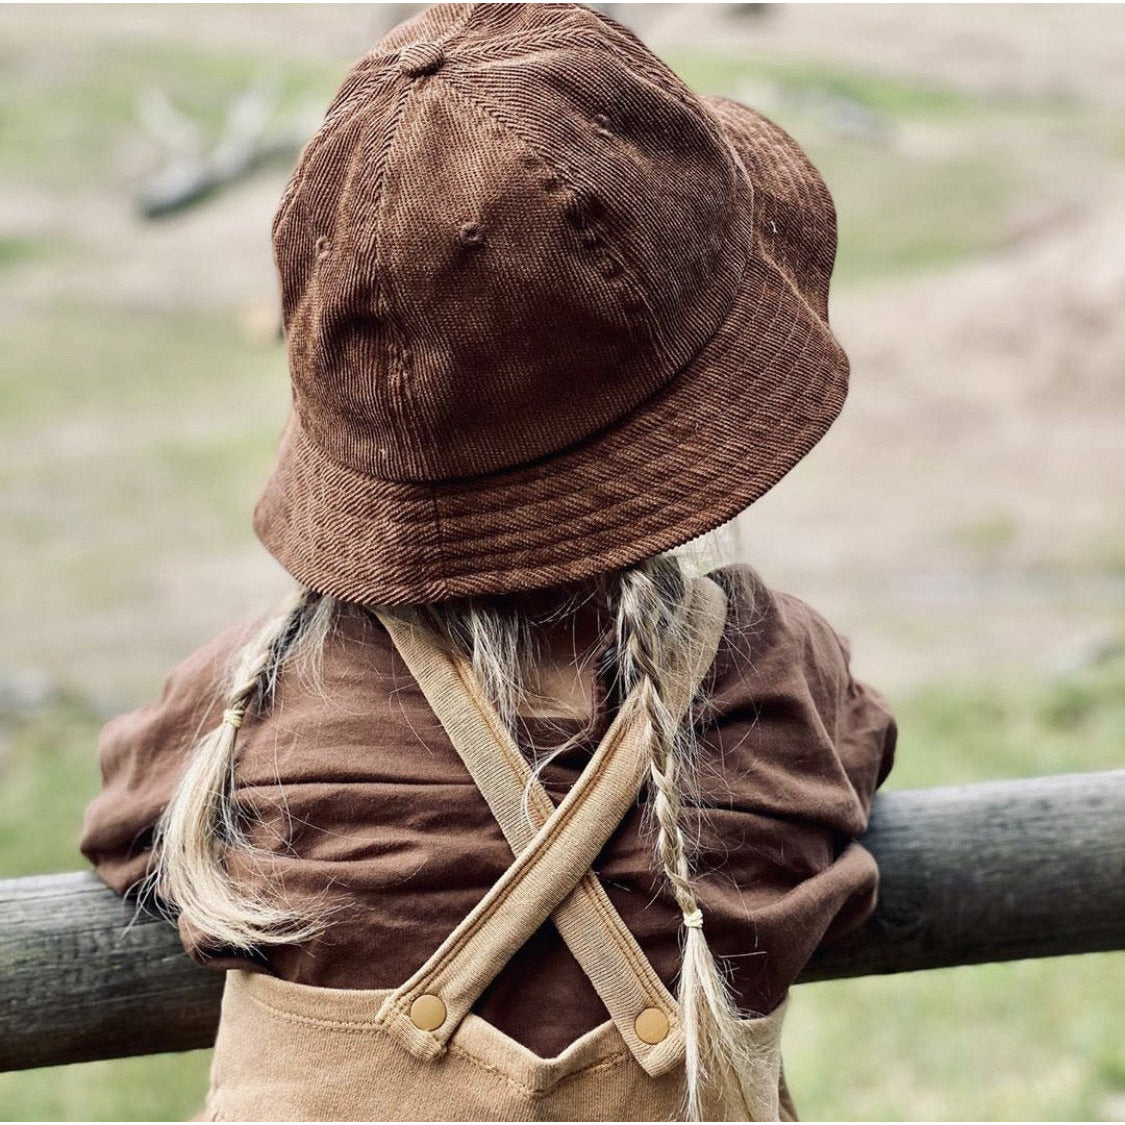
<point x="963" y="523"/>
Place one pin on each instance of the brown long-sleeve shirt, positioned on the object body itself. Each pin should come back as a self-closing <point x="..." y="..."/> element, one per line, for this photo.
<point x="365" y="805"/>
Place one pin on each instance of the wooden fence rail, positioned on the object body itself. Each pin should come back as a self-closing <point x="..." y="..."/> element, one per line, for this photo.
<point x="972" y="873"/>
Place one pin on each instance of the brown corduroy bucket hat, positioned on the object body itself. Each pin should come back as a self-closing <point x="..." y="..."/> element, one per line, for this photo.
<point x="548" y="313"/>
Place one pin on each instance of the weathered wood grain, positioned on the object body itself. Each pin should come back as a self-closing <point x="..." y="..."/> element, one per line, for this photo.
<point x="81" y="978"/>
<point x="991" y="872"/>
<point x="976" y="873"/>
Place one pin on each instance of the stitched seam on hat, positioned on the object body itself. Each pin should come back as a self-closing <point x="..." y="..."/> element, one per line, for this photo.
<point x="798" y="175"/>
<point x="646" y="67"/>
<point x="500" y="47"/>
<point x="380" y="61"/>
<point x="439" y="537"/>
<point x="421" y="25"/>
<point x="400" y="385"/>
<point x="468" y="15"/>
<point x="388" y="299"/>
<point x="472" y="22"/>
<point x="649" y="68"/>
<point x="634" y="294"/>
<point x="490" y="109"/>
<point x="338" y="117"/>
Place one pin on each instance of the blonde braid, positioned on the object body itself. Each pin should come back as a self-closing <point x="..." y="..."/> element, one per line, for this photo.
<point x="199" y="831"/>
<point x="653" y="640"/>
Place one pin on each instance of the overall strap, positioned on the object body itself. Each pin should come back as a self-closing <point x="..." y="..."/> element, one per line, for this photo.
<point x="629" y="987"/>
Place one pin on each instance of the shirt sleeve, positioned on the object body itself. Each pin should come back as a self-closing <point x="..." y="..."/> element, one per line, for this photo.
<point x="866" y="736"/>
<point x="856" y="717"/>
<point x="142" y="755"/>
<point x="805" y="746"/>
<point x="866" y="739"/>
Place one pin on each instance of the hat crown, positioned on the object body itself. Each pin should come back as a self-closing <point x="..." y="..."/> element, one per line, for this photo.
<point x="514" y="227"/>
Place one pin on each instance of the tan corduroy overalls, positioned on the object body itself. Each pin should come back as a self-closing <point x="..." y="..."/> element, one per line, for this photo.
<point x="293" y="1052"/>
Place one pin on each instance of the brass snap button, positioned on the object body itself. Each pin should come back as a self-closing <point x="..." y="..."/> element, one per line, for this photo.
<point x="427" y="1013"/>
<point x="651" y="1026"/>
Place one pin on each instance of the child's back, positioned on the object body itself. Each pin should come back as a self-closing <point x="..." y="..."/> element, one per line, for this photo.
<point x="355" y="792"/>
<point x="548" y="316"/>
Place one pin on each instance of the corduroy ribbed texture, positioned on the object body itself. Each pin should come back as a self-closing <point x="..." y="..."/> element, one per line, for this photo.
<point x="548" y="313"/>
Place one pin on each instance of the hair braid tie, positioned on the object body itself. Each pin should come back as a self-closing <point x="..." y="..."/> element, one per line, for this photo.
<point x="694" y="919"/>
<point x="234" y="716"/>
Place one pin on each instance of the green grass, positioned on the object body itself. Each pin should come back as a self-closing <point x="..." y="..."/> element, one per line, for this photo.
<point x="104" y="359"/>
<point x="69" y="117"/>
<point x="1030" y="1040"/>
<point x="963" y="733"/>
<point x="48" y="771"/>
<point x="804" y="81"/>
<point x="882" y="199"/>
<point x="16" y="250"/>
<point x="155" y="1088"/>
<point x="135" y="444"/>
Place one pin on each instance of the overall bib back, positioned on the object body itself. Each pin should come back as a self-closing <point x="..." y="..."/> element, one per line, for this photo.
<point x="293" y="1052"/>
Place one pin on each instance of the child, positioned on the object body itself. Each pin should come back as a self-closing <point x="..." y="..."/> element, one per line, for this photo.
<point x="502" y="773"/>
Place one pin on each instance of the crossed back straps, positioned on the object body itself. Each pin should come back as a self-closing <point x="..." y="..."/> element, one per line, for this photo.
<point x="553" y="849"/>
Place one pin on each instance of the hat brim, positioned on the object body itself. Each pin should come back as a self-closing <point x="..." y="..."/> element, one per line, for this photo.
<point x="751" y="403"/>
